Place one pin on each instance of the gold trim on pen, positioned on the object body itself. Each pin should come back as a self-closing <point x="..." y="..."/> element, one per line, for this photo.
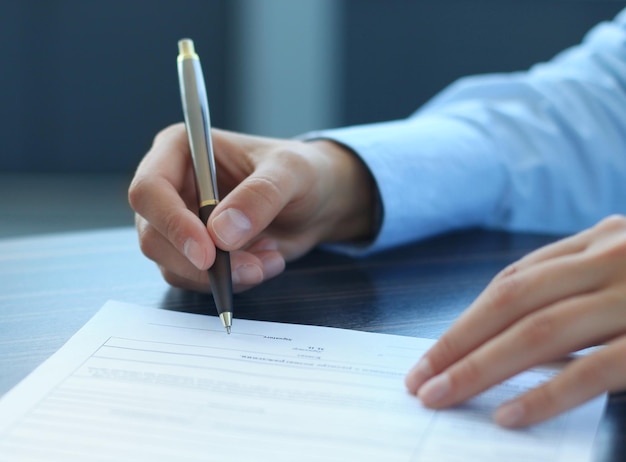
<point x="209" y="202"/>
<point x="186" y="50"/>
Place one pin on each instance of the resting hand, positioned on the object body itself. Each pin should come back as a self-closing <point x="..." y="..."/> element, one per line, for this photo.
<point x="559" y="299"/>
<point x="279" y="199"/>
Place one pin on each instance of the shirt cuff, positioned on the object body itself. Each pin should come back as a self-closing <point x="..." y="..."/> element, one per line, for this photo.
<point x="433" y="173"/>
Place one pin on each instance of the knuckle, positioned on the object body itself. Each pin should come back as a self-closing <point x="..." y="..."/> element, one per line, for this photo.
<point x="443" y="353"/>
<point x="137" y="191"/>
<point x="613" y="223"/>
<point x="507" y="271"/>
<point x="611" y="250"/>
<point x="538" y="329"/>
<point x="468" y="373"/>
<point x="152" y="240"/>
<point x="170" y="130"/>
<point x="294" y="162"/>
<point x="173" y="232"/>
<point x="290" y="158"/>
<point x="505" y="290"/>
<point x="592" y="374"/>
<point x="148" y="242"/>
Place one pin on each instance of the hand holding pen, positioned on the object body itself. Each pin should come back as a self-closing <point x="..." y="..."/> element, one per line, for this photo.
<point x="279" y="198"/>
<point x="198" y="124"/>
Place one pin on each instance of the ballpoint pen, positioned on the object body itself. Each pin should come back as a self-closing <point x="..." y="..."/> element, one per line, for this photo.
<point x="198" y="123"/>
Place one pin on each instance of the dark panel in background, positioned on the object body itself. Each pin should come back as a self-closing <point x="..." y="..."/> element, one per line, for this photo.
<point x="399" y="53"/>
<point x="85" y="85"/>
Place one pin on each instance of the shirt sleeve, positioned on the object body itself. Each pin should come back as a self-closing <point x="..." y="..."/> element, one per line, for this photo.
<point x="538" y="151"/>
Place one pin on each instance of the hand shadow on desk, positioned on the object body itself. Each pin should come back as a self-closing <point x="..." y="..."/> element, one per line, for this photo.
<point x="322" y="288"/>
<point x="417" y="290"/>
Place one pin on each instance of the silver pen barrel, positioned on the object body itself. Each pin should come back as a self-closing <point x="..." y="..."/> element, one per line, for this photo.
<point x="198" y="123"/>
<point x="197" y="120"/>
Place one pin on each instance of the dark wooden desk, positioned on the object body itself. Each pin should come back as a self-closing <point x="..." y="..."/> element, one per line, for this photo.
<point x="51" y="285"/>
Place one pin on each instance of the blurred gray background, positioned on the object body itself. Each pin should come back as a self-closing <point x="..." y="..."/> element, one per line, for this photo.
<point x="85" y="85"/>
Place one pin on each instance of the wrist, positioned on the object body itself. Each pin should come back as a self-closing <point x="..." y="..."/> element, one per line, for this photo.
<point x="355" y="204"/>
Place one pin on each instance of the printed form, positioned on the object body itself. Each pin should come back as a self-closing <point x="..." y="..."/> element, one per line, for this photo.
<point x="147" y="384"/>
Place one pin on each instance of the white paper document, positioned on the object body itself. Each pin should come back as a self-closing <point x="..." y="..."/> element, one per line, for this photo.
<point x="144" y="384"/>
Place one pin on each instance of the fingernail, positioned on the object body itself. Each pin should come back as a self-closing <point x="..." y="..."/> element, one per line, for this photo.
<point x="509" y="414"/>
<point x="194" y="253"/>
<point x="273" y="264"/>
<point x="419" y="374"/>
<point x="247" y="275"/>
<point x="433" y="391"/>
<point x="231" y="226"/>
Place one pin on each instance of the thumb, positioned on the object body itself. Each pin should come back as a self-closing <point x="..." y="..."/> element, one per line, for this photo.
<point x="249" y="208"/>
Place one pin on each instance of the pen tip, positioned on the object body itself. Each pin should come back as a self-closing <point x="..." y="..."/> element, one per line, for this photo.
<point x="227" y="319"/>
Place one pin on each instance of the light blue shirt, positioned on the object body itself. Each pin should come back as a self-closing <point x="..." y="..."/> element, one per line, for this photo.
<point x="539" y="151"/>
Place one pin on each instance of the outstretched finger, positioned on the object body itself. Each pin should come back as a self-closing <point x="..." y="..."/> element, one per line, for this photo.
<point x="504" y="302"/>
<point x="566" y="246"/>
<point x="543" y="336"/>
<point x="580" y="381"/>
